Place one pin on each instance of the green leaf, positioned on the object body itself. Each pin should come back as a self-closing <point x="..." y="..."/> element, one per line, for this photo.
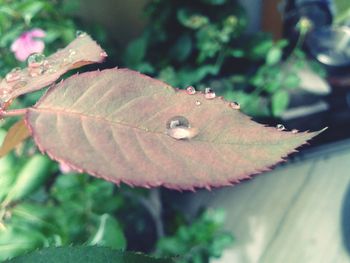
<point x="274" y="56"/>
<point x="279" y="102"/>
<point x="187" y="76"/>
<point x="114" y="124"/>
<point x="85" y="255"/>
<point x="30" y="178"/>
<point x="191" y="20"/>
<point x="182" y="48"/>
<point x="135" y="52"/>
<point x="261" y="48"/>
<point x="109" y="233"/>
<point x="30" y="9"/>
<point x="15" y="241"/>
<point x="291" y="81"/>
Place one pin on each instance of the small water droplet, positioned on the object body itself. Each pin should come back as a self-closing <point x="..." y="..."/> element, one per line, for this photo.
<point x="280" y="127"/>
<point x="35" y="60"/>
<point x="191" y="90"/>
<point x="209" y="94"/>
<point x="52" y="70"/>
<point x="295" y="131"/>
<point x="104" y="54"/>
<point x="20" y="84"/>
<point x="13" y="75"/>
<point x="80" y="33"/>
<point x="72" y="52"/>
<point x="235" y="105"/>
<point x="198" y="103"/>
<point x="36" y="71"/>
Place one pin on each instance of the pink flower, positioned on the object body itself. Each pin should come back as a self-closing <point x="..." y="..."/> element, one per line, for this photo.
<point x="27" y="43"/>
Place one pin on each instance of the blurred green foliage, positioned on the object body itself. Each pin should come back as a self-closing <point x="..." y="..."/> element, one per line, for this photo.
<point x="18" y="16"/>
<point x="203" y="43"/>
<point x="198" y="241"/>
<point x="55" y="17"/>
<point x="40" y="206"/>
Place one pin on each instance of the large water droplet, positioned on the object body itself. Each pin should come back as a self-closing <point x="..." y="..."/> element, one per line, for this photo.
<point x="13" y="75"/>
<point x="280" y="127"/>
<point x="35" y="60"/>
<point x="177" y="121"/>
<point x="80" y="33"/>
<point x="235" y="105"/>
<point x="191" y="90"/>
<point x="179" y="128"/>
<point x="209" y="94"/>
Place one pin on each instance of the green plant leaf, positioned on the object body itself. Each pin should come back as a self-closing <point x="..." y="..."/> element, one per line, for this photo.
<point x="85" y="255"/>
<point x="32" y="175"/>
<point x="15" y="241"/>
<point x="113" y="124"/>
<point x="182" y="48"/>
<point x="82" y="51"/>
<point x="135" y="52"/>
<point x="279" y="102"/>
<point x="291" y="81"/>
<point x="274" y="56"/>
<point x="109" y="233"/>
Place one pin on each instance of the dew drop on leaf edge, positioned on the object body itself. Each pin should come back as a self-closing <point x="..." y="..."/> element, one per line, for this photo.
<point x="104" y="54"/>
<point x="80" y="33"/>
<point x="235" y="105"/>
<point x="280" y="127"/>
<point x="35" y="60"/>
<point x="209" y="94"/>
<point x="190" y="90"/>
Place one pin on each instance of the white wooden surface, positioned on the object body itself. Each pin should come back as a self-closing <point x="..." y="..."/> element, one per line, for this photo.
<point x="290" y="215"/>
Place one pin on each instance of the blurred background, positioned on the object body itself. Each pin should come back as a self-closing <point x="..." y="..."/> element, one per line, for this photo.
<point x="284" y="61"/>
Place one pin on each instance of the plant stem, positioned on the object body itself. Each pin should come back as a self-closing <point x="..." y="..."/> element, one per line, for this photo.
<point x="154" y="207"/>
<point x="12" y="113"/>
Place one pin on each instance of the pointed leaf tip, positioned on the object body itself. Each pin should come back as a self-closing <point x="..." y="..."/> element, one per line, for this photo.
<point x="113" y="124"/>
<point x="79" y="52"/>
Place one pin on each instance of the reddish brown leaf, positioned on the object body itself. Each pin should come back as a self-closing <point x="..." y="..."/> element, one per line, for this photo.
<point x="83" y="50"/>
<point x="16" y="134"/>
<point x="113" y="124"/>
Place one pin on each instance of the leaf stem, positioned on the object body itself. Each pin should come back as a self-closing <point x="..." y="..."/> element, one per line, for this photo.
<point x="12" y="113"/>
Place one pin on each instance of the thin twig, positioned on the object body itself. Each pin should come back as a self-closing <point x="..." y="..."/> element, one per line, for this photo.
<point x="153" y="205"/>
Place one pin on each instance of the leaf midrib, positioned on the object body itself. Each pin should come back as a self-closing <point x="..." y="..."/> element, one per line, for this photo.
<point x="147" y="130"/>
